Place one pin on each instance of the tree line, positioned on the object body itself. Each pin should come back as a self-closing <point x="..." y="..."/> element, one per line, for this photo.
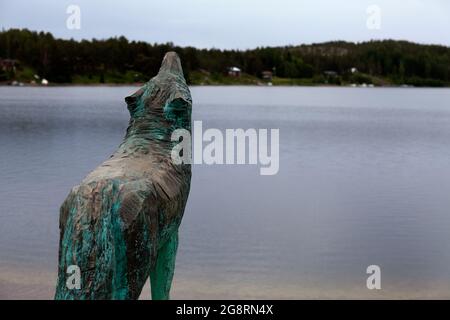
<point x="120" y="60"/>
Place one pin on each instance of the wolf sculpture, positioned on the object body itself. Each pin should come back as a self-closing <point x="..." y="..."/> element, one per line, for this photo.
<point x="120" y="225"/>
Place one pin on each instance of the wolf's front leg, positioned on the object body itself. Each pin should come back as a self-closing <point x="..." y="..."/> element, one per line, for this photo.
<point x="161" y="274"/>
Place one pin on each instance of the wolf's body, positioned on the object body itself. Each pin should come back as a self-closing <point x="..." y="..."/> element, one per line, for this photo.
<point x="120" y="225"/>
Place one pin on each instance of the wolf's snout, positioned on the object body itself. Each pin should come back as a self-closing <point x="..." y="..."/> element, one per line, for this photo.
<point x="171" y="63"/>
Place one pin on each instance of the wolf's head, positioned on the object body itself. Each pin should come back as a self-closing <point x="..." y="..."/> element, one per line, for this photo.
<point x="162" y="105"/>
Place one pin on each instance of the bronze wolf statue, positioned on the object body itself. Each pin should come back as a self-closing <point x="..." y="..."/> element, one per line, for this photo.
<point x="120" y="225"/>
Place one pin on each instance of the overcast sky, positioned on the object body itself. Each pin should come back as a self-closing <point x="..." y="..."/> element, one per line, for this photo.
<point x="235" y="24"/>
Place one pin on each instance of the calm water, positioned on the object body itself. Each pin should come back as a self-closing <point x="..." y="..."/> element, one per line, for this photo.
<point x="364" y="179"/>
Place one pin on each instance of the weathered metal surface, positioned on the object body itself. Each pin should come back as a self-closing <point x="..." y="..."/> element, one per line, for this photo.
<point x="120" y="225"/>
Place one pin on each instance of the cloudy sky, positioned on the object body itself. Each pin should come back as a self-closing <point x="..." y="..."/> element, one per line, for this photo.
<point x="236" y="24"/>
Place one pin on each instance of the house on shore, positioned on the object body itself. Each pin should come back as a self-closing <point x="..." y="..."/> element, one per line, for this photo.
<point x="267" y="75"/>
<point x="234" y="72"/>
<point x="8" y="65"/>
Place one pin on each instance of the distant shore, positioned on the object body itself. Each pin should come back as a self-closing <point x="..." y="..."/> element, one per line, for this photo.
<point x="203" y="78"/>
<point x="117" y="61"/>
<point x="139" y="84"/>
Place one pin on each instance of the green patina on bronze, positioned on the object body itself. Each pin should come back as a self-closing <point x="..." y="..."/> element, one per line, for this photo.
<point x="120" y="225"/>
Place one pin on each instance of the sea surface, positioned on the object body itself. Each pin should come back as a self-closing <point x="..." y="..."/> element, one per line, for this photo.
<point x="364" y="179"/>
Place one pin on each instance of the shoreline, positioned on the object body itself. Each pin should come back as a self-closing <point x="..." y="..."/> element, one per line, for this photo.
<point x="26" y="283"/>
<point x="139" y="84"/>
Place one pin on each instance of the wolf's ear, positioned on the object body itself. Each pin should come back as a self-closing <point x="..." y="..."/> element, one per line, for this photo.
<point x="133" y="100"/>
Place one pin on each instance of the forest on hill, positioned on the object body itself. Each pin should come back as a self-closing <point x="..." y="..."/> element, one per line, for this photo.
<point x="29" y="56"/>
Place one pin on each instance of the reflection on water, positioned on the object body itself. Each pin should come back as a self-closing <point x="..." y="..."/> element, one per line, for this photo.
<point x="364" y="179"/>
